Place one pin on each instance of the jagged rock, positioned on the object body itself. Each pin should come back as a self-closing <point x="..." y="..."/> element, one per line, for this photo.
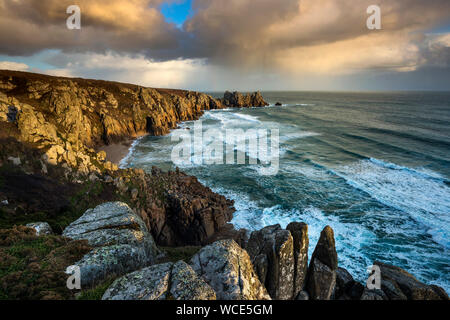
<point x="398" y="284"/>
<point x="272" y="252"/>
<point x="192" y="214"/>
<point x="123" y="243"/>
<point x="161" y="282"/>
<point x="299" y="232"/>
<point x="86" y="114"/>
<point x="42" y="228"/>
<point x="227" y="268"/>
<point x="278" y="104"/>
<point x="321" y="278"/>
<point x="346" y="287"/>
<point x="238" y="100"/>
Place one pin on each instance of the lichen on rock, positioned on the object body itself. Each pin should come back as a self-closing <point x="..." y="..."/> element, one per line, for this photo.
<point x="227" y="268"/>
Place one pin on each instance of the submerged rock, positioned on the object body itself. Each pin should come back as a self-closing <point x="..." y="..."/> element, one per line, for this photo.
<point x="160" y="282"/>
<point x="227" y="268"/>
<point x="121" y="240"/>
<point x="42" y="228"/>
<point x="322" y="268"/>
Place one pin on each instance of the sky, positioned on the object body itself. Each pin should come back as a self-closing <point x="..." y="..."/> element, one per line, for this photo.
<point x="216" y="45"/>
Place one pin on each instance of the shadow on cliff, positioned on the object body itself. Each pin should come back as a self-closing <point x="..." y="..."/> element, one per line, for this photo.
<point x="28" y="195"/>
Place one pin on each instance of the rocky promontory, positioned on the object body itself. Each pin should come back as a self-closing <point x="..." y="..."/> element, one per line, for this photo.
<point x="142" y="235"/>
<point x="51" y="131"/>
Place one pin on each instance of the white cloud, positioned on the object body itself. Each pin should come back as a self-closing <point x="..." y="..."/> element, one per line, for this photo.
<point x="10" y="65"/>
<point x="135" y="69"/>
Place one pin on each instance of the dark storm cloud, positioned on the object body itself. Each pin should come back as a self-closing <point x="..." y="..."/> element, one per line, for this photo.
<point x="291" y="34"/>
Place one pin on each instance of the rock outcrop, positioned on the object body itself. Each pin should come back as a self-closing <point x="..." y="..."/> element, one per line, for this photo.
<point x="346" y="287"/>
<point x="299" y="232"/>
<point x="237" y="99"/>
<point x="227" y="268"/>
<point x="120" y="239"/>
<point x="66" y="120"/>
<point x="272" y="253"/>
<point x="397" y="284"/>
<point x="161" y="282"/>
<point x="42" y="228"/>
<point x="321" y="279"/>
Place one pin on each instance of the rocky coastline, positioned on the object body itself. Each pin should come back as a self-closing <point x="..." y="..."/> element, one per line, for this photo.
<point x="143" y="235"/>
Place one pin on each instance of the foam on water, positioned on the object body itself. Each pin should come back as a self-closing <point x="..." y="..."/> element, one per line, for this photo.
<point x="124" y="162"/>
<point x="351" y="238"/>
<point x="421" y="195"/>
<point x="379" y="210"/>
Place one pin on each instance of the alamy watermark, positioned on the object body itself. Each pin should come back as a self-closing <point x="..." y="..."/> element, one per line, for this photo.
<point x="232" y="146"/>
<point x="73" y="22"/>
<point x="374" y="280"/>
<point x="374" y="20"/>
<point x="74" y="280"/>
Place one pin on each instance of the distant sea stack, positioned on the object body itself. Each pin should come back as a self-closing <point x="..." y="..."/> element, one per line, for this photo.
<point x="237" y="99"/>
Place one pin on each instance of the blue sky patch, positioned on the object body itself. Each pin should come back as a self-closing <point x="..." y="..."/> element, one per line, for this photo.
<point x="177" y="12"/>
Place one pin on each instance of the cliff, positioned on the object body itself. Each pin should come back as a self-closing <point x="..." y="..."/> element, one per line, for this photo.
<point x="51" y="128"/>
<point x="115" y="224"/>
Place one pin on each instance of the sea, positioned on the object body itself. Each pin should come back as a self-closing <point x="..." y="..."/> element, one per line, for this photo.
<point x="375" y="166"/>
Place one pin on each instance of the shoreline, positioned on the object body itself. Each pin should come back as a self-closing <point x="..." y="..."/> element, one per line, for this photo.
<point x="116" y="152"/>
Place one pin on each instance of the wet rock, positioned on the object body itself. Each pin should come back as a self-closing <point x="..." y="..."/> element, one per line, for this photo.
<point x="278" y="104"/>
<point x="398" y="284"/>
<point x="42" y="228"/>
<point x="227" y="268"/>
<point x="322" y="268"/>
<point x="121" y="240"/>
<point x="299" y="232"/>
<point x="272" y="252"/>
<point x="160" y="282"/>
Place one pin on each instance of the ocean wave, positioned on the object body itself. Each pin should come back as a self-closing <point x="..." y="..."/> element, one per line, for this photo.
<point x="423" y="195"/>
<point x="351" y="238"/>
<point x="124" y="163"/>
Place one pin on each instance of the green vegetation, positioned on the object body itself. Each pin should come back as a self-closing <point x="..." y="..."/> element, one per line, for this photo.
<point x="97" y="292"/>
<point x="174" y="254"/>
<point x="32" y="267"/>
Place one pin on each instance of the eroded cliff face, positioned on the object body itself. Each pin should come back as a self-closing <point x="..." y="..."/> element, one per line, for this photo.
<point x="65" y="120"/>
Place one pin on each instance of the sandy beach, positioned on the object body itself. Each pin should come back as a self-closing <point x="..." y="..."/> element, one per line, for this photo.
<point x="115" y="152"/>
